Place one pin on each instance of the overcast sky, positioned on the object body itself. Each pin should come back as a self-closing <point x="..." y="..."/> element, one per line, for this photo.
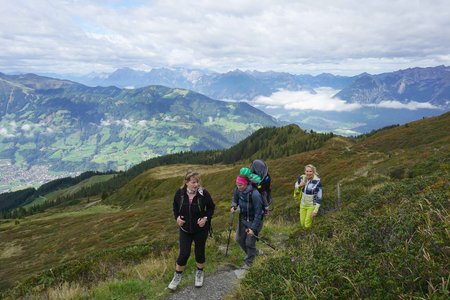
<point x="300" y="37"/>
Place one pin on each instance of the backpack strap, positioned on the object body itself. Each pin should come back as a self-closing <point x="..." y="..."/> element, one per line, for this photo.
<point x="200" y="203"/>
<point x="250" y="198"/>
<point x="314" y="187"/>
<point x="201" y="206"/>
<point x="180" y="205"/>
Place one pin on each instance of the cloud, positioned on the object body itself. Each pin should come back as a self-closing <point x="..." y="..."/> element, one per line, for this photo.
<point x="4" y="132"/>
<point x="49" y="131"/>
<point x="124" y="122"/>
<point x="143" y="123"/>
<point x="26" y="127"/>
<point x="413" y="105"/>
<point x="105" y="123"/>
<point x="323" y="101"/>
<point x="168" y="118"/>
<point x="282" y="35"/>
<point x="302" y="100"/>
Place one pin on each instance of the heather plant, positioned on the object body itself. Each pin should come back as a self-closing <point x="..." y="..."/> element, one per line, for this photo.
<point x="392" y="243"/>
<point x="89" y="270"/>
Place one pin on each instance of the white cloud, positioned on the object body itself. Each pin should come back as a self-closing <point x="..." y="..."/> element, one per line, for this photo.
<point x="123" y="122"/>
<point x="10" y="130"/>
<point x="413" y="105"/>
<point x="105" y="123"/>
<point x="142" y="123"/>
<point x="4" y="132"/>
<point x="340" y="37"/>
<point x="26" y="127"/>
<point x="303" y="100"/>
<point x="169" y="118"/>
<point x="126" y="123"/>
<point x="323" y="101"/>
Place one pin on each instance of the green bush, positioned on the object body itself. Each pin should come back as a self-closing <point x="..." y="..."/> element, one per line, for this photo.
<point x="391" y="243"/>
<point x="91" y="269"/>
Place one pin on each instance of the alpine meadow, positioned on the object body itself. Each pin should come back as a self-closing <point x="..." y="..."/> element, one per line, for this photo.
<point x="382" y="231"/>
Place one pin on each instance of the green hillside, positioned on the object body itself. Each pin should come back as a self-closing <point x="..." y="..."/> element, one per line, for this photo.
<point x="71" y="127"/>
<point x="265" y="143"/>
<point x="385" y="237"/>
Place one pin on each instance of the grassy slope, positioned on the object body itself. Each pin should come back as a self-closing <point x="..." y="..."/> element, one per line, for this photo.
<point x="362" y="166"/>
<point x="390" y="237"/>
<point x="70" y="190"/>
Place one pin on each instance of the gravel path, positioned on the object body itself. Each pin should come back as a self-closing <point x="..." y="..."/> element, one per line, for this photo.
<point x="215" y="286"/>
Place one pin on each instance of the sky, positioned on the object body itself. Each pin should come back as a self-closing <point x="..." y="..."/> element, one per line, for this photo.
<point x="342" y="37"/>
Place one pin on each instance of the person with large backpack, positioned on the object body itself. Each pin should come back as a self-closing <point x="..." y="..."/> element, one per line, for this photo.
<point x="193" y="209"/>
<point x="258" y="174"/>
<point x="308" y="191"/>
<point x="251" y="215"/>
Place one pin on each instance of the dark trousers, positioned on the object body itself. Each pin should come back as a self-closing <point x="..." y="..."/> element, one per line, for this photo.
<point x="247" y="242"/>
<point x="186" y="239"/>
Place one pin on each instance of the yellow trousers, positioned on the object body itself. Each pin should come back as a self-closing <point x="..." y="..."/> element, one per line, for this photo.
<point x="306" y="216"/>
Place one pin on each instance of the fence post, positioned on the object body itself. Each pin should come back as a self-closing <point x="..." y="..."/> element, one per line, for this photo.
<point x="338" y="195"/>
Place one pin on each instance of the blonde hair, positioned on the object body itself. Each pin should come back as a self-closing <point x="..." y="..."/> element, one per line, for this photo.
<point x="313" y="168"/>
<point x="190" y="173"/>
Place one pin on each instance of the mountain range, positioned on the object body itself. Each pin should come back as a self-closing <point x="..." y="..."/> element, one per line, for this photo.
<point x="236" y="85"/>
<point x="69" y="126"/>
<point x="346" y="105"/>
<point x="49" y="124"/>
<point x="430" y="84"/>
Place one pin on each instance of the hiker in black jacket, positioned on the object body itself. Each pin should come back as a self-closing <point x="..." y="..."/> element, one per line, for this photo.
<point x="193" y="209"/>
<point x="250" y="203"/>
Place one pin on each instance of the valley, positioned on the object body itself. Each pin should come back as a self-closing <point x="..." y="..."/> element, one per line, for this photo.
<point x="14" y="177"/>
<point x="69" y="127"/>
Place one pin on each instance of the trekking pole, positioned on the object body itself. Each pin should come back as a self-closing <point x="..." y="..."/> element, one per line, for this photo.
<point x="338" y="195"/>
<point x="264" y="242"/>
<point x="229" y="232"/>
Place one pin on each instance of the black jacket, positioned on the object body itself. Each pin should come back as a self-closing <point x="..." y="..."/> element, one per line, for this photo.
<point x="202" y="206"/>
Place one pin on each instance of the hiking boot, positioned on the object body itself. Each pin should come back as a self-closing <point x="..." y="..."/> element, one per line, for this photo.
<point x="175" y="281"/>
<point x="199" y="278"/>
